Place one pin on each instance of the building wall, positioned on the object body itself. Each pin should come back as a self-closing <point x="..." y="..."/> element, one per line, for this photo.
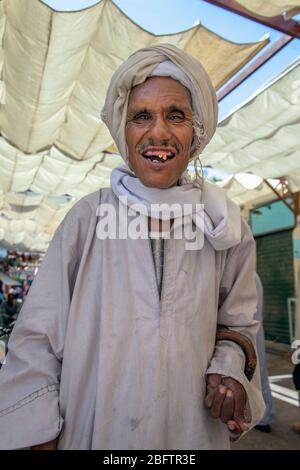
<point x="275" y="266"/>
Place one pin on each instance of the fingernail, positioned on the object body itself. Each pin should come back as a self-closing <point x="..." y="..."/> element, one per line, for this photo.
<point x="222" y="389"/>
<point x="229" y="393"/>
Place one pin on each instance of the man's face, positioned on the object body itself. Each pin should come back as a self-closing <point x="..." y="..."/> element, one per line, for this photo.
<point x="159" y="131"/>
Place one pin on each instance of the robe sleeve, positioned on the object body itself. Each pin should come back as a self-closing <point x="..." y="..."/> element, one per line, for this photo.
<point x="30" y="377"/>
<point x="237" y="306"/>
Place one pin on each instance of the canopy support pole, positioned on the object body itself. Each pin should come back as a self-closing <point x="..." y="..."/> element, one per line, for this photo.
<point x="286" y="26"/>
<point x="249" y="69"/>
<point x="282" y="197"/>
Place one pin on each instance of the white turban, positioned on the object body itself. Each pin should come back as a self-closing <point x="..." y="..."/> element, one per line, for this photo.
<point x="162" y="60"/>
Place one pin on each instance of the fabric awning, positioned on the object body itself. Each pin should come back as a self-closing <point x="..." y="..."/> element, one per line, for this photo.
<point x="56" y="69"/>
<point x="263" y="136"/>
<point x="244" y="195"/>
<point x="58" y="65"/>
<point x="272" y="7"/>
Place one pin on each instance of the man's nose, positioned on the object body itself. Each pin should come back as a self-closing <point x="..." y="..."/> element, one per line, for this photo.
<point x="159" y="129"/>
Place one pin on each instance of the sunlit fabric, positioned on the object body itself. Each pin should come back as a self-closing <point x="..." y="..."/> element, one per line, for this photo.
<point x="242" y="195"/>
<point x="263" y="136"/>
<point x="272" y="7"/>
<point x="56" y="69"/>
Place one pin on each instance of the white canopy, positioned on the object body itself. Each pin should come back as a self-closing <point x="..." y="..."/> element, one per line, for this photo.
<point x="263" y="136"/>
<point x="243" y="194"/>
<point x="56" y="69"/>
<point x="272" y="7"/>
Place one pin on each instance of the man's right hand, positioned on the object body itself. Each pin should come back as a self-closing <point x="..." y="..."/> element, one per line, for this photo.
<point x="226" y="400"/>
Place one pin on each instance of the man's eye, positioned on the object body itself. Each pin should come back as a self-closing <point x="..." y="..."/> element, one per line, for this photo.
<point x="177" y="117"/>
<point x="141" y="117"/>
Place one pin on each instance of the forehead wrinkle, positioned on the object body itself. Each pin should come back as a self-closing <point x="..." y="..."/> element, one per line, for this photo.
<point x="179" y="107"/>
<point x="146" y="98"/>
<point x="142" y="90"/>
<point x="148" y="104"/>
<point x="172" y="107"/>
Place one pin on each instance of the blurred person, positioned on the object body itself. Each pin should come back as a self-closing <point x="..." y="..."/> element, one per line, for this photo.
<point x="2" y="352"/>
<point x="26" y="289"/>
<point x="14" y="290"/>
<point x="2" y="297"/>
<point x="265" y="424"/>
<point x="9" y="309"/>
<point x="115" y="346"/>
<point x="17" y="291"/>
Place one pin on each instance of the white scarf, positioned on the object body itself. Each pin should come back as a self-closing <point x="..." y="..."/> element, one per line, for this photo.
<point x="222" y="219"/>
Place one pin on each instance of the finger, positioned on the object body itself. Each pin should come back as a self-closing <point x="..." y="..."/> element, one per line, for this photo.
<point x="232" y="424"/>
<point x="233" y="427"/>
<point x="243" y="425"/>
<point x="209" y="398"/>
<point x="227" y="407"/>
<point x="239" y="402"/>
<point x="214" y="380"/>
<point x="218" y="400"/>
<point x="241" y="422"/>
<point x="239" y="415"/>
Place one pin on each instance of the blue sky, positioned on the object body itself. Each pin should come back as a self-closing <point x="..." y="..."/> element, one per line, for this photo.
<point x="170" y="16"/>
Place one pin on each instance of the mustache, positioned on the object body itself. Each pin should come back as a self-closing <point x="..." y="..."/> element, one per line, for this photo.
<point x="151" y="143"/>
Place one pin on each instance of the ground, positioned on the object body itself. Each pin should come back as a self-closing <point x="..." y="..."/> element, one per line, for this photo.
<point x="282" y="436"/>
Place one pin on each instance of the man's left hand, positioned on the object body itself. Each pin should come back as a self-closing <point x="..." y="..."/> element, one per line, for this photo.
<point x="226" y="399"/>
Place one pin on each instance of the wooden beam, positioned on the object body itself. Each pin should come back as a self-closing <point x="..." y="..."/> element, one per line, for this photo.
<point x="290" y="27"/>
<point x="263" y="58"/>
<point x="293" y="209"/>
<point x="296" y="199"/>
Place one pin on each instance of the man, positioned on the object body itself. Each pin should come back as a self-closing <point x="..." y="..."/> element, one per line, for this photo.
<point x="2" y="298"/>
<point x="9" y="310"/>
<point x="115" y="346"/>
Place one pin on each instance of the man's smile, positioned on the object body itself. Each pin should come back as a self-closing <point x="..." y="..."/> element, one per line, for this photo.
<point x="158" y="154"/>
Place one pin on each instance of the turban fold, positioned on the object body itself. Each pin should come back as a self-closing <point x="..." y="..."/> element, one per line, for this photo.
<point x="141" y="65"/>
